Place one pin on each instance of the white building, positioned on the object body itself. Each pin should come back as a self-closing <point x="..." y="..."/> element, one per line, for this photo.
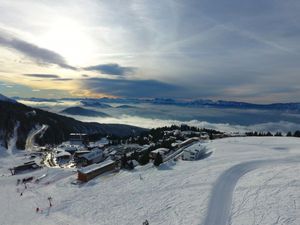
<point x="162" y="151"/>
<point x="95" y="156"/>
<point x="194" y="153"/>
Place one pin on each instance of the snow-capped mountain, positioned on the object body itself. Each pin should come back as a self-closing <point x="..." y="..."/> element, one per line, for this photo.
<point x="102" y="103"/>
<point x="59" y="127"/>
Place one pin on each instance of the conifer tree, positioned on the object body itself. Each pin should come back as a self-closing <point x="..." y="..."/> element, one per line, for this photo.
<point x="158" y="160"/>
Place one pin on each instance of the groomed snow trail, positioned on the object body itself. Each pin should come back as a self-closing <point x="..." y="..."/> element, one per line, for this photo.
<point x="221" y="197"/>
<point x="31" y="137"/>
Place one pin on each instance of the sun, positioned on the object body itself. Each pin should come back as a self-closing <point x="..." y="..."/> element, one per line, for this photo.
<point x="70" y="39"/>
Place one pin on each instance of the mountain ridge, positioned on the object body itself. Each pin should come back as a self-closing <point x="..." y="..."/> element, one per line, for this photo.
<point x="79" y="111"/>
<point x="294" y="106"/>
<point x="59" y="127"/>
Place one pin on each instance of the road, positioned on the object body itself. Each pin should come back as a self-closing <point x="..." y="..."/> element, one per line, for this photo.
<point x="221" y="197"/>
<point x="31" y="137"/>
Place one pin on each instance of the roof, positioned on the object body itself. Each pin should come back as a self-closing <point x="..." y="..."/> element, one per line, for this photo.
<point x="190" y="139"/>
<point x="94" y="167"/>
<point x="61" y="154"/>
<point x="82" y="152"/>
<point x="80" y="134"/>
<point x="160" y="150"/>
<point x="93" y="154"/>
<point x="200" y="148"/>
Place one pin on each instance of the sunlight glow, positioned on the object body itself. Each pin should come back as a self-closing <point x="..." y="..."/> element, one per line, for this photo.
<point x="70" y="39"/>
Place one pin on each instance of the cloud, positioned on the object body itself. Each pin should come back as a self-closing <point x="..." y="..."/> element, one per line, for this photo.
<point x="39" y="75"/>
<point x="111" y="69"/>
<point x="62" y="79"/>
<point x="234" y="50"/>
<point x="34" y="52"/>
<point x="52" y="77"/>
<point x="130" y="88"/>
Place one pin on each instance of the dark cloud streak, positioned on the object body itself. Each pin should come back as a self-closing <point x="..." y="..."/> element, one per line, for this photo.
<point x="130" y="88"/>
<point x="111" y="69"/>
<point x="52" y="77"/>
<point x="42" y="75"/>
<point x="38" y="54"/>
<point x="62" y="79"/>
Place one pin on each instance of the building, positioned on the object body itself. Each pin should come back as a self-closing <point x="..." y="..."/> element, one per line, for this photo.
<point x="193" y="153"/>
<point x="188" y="142"/>
<point x="63" y="156"/>
<point x="79" y="153"/>
<point x="162" y="151"/>
<point x="78" y="139"/>
<point x="95" y="156"/>
<point x="87" y="173"/>
<point x="71" y="149"/>
<point x="204" y="136"/>
<point x="31" y="165"/>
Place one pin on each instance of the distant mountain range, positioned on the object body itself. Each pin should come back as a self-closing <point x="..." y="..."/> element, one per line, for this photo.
<point x="92" y="103"/>
<point x="126" y="107"/>
<point x="102" y="102"/>
<point x="79" y="111"/>
<point x="25" y="119"/>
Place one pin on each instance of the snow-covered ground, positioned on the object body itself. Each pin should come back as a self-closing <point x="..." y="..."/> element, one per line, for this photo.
<point x="250" y="180"/>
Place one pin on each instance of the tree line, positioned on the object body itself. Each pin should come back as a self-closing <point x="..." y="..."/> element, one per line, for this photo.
<point x="277" y="134"/>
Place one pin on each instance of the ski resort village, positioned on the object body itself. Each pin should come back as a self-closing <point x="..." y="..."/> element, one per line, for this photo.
<point x="166" y="176"/>
<point x="111" y="154"/>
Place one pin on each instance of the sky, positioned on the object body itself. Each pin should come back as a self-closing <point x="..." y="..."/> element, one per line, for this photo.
<point x="237" y="50"/>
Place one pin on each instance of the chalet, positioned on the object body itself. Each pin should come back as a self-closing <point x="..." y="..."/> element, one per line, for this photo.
<point x="162" y="151"/>
<point x="87" y="173"/>
<point x="188" y="142"/>
<point x="79" y="153"/>
<point x="92" y="157"/>
<point x="192" y="154"/>
<point x="112" y="154"/>
<point x="204" y="136"/>
<point x="78" y="139"/>
<point x="63" y="156"/>
<point x="71" y="149"/>
<point x="31" y="165"/>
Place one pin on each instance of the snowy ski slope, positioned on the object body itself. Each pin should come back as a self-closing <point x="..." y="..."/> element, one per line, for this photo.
<point x="250" y="180"/>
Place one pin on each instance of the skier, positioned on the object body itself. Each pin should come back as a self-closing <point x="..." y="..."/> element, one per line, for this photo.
<point x="50" y="203"/>
<point x="37" y="209"/>
<point x="146" y="222"/>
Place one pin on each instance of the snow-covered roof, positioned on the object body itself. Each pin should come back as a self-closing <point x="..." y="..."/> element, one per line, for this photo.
<point x="195" y="150"/>
<point x="62" y="154"/>
<point x="94" y="167"/>
<point x="78" y="134"/>
<point x="93" y="154"/>
<point x="113" y="152"/>
<point x="160" y="150"/>
<point x="70" y="148"/>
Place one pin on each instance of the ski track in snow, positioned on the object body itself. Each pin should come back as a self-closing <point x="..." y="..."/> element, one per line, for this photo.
<point x="32" y="135"/>
<point x="221" y="197"/>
